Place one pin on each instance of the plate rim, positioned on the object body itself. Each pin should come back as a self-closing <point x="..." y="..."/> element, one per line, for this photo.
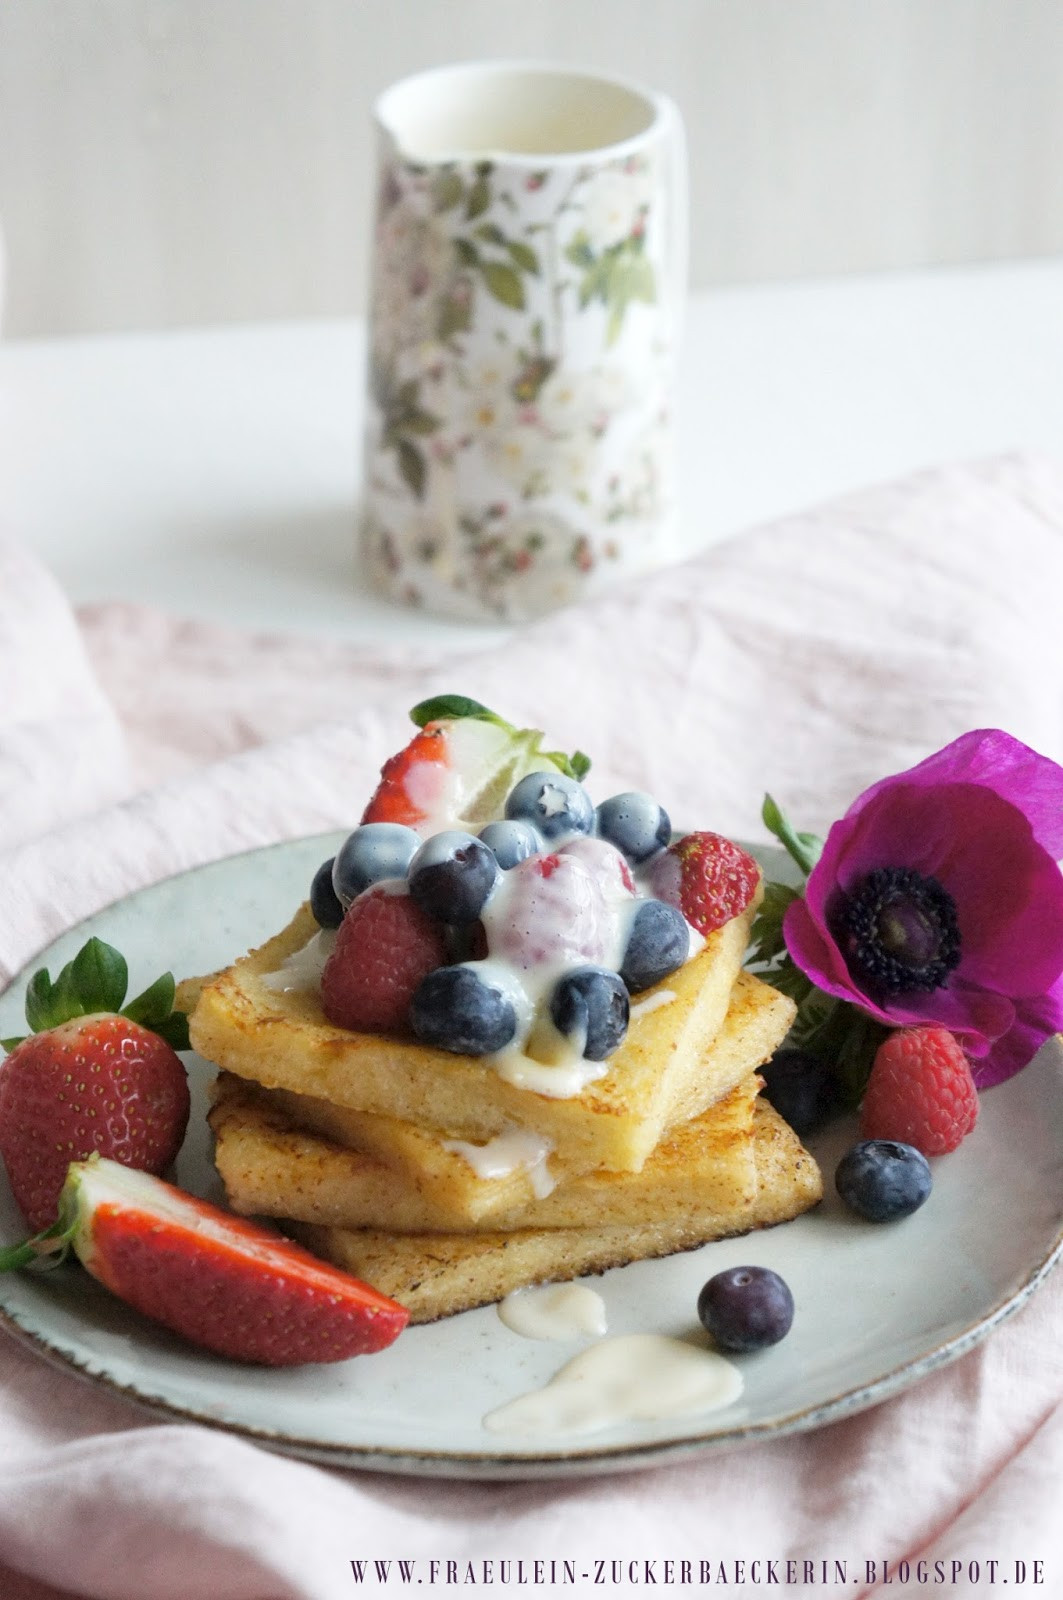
<point x="492" y="1465"/>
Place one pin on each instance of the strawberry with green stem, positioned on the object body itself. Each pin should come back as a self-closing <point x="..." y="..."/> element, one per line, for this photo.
<point x="95" y="1074"/>
<point x="459" y="767"/>
<point x="221" y="1282"/>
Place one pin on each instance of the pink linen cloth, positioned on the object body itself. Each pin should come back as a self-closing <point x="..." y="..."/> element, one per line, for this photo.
<point x="809" y="658"/>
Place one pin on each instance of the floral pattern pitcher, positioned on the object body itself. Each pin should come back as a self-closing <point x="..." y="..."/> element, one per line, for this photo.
<point x="526" y="300"/>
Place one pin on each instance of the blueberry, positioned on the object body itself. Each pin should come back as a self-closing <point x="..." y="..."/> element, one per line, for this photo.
<point x="802" y="1089"/>
<point x="452" y="876"/>
<point x="591" y="1003"/>
<point x="746" y="1308"/>
<point x="511" y="842"/>
<point x="658" y="943"/>
<point x="373" y="852"/>
<point x="883" y="1180"/>
<point x="324" y="901"/>
<point x="453" y="1008"/>
<point x="552" y="803"/>
<point x="635" y="823"/>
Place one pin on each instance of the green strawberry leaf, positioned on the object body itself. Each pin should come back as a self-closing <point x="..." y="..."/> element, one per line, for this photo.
<point x="574" y="766"/>
<point x="13" y="1043"/>
<point x="99" y="977"/>
<point x="40" y="1005"/>
<point x="154" y="1005"/>
<point x="804" y="848"/>
<point x="174" y="1029"/>
<point x="453" y="707"/>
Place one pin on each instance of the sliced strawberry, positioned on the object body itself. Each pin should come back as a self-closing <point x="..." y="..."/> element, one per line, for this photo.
<point x="92" y="1079"/>
<point x="228" y="1285"/>
<point x="458" y="769"/>
<point x="384" y="946"/>
<point x="711" y="879"/>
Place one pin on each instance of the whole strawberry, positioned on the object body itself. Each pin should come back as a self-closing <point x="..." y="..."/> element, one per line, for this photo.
<point x="711" y="879"/>
<point x="92" y="1077"/>
<point x="920" y="1091"/>
<point x="384" y="946"/>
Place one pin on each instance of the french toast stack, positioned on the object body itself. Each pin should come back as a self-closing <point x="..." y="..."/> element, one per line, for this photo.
<point x="446" y="1186"/>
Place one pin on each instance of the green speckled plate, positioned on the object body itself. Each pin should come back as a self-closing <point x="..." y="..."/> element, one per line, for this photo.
<point x="877" y="1308"/>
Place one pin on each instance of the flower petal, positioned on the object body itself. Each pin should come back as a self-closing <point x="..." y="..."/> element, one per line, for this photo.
<point x="1036" y="1020"/>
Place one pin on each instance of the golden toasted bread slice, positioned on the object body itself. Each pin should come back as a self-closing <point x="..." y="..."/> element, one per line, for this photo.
<point x="270" y="1168"/>
<point x="436" y="1275"/>
<point x="283" y="1041"/>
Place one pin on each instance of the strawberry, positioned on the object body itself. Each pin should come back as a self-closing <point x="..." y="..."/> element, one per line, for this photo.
<point x="710" y="878"/>
<point x="384" y="946"/>
<point x="90" y="1077"/>
<point x="920" y="1091"/>
<point x="457" y="770"/>
<point x="221" y="1282"/>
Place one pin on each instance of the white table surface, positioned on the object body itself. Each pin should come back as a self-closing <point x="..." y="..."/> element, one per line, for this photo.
<point x="214" y="472"/>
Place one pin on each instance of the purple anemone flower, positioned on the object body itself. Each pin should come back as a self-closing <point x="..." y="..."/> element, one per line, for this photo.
<point x="938" y="899"/>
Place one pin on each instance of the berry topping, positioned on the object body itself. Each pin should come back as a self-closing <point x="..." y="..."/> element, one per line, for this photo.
<point x="457" y="1009"/>
<point x="883" y="1180"/>
<point x="658" y="943"/>
<point x="221" y="1282"/>
<point x="458" y="769"/>
<point x="898" y="932"/>
<point x="802" y="1089"/>
<point x="590" y="1007"/>
<point x="920" y="1091"/>
<point x="511" y="842"/>
<point x="606" y="863"/>
<point x="452" y="875"/>
<point x="711" y="879"/>
<point x="549" y="909"/>
<point x="746" y="1308"/>
<point x="384" y="947"/>
<point x="324" y="901"/>
<point x="91" y="1079"/>
<point x="372" y="853"/>
<point x="635" y="823"/>
<point x="552" y="803"/>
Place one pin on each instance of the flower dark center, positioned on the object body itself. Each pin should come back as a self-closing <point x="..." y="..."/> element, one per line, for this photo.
<point x="898" y="931"/>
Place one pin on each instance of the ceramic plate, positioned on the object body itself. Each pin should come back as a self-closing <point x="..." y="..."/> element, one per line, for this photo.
<point x="877" y="1307"/>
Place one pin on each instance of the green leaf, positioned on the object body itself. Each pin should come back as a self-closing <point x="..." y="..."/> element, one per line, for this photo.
<point x="523" y="256"/>
<point x="412" y="467"/>
<point x="580" y="764"/>
<point x="418" y="421"/>
<point x="453" y="708"/>
<point x="12" y="1043"/>
<point x="643" y="282"/>
<point x="504" y="284"/>
<point x="467" y="252"/>
<point x="174" y="1029"/>
<point x="39" y="1002"/>
<point x="804" y="848"/>
<point x="155" y="1004"/>
<point x="767" y="937"/>
<point x="479" y="197"/>
<point x="99" y="977"/>
<point x="491" y="233"/>
<point x="447" y="191"/>
<point x="578" y="250"/>
<point x="455" y="316"/>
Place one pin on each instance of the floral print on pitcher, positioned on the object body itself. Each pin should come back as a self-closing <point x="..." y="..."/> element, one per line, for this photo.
<point x="521" y="353"/>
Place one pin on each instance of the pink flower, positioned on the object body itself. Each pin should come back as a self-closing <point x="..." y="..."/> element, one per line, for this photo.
<point x="938" y="898"/>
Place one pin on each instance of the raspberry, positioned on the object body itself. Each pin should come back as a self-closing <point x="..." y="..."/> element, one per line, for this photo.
<point x="384" y="946"/>
<point x="710" y="878"/>
<point x="920" y="1091"/>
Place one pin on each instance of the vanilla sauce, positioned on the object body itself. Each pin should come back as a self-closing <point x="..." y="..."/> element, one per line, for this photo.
<point x="554" y="1311"/>
<point x="637" y="1377"/>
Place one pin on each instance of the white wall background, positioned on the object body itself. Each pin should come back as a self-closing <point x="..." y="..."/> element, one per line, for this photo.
<point x="181" y="161"/>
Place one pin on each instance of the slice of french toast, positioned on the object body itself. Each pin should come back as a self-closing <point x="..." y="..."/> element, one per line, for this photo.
<point x="271" y="1168"/>
<point x="282" y="1040"/>
<point x="437" y="1275"/>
